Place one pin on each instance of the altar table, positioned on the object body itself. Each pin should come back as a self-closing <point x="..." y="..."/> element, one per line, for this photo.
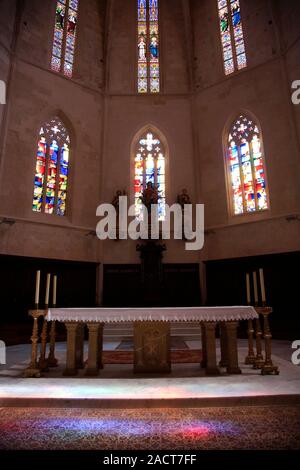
<point x="152" y="335"/>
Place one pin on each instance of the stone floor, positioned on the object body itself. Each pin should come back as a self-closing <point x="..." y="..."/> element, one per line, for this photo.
<point x="229" y="428"/>
<point x="118" y="386"/>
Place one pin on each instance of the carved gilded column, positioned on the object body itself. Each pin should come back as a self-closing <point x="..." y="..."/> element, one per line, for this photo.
<point x="71" y="368"/>
<point x="232" y="347"/>
<point x="210" y="346"/>
<point x="43" y="364"/>
<point x="33" y="369"/>
<point x="259" y="359"/>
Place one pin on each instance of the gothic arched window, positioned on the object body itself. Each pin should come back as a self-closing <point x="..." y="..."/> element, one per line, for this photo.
<point x="245" y="164"/>
<point x="52" y="169"/>
<point x="232" y="38"/>
<point x="148" y="47"/>
<point x="63" y="49"/>
<point x="149" y="166"/>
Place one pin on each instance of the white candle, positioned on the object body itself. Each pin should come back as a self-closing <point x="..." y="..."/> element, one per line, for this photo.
<point x="255" y="287"/>
<point x="37" y="287"/>
<point x="47" y="289"/>
<point x="54" y="289"/>
<point x="248" y="288"/>
<point x="262" y="285"/>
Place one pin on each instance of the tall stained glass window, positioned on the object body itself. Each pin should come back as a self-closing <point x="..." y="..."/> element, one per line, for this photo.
<point x="52" y="169"/>
<point x="148" y="47"/>
<point x="232" y="38"/>
<point x="64" y="39"/>
<point x="149" y="165"/>
<point x="246" y="167"/>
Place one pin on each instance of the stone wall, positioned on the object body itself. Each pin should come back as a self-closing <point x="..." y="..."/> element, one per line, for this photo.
<point x="104" y="114"/>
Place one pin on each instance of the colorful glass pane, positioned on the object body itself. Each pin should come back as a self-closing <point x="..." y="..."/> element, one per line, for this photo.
<point x="260" y="183"/>
<point x="231" y="32"/>
<point x="246" y="167"/>
<point x="148" y="47"/>
<point x="161" y="186"/>
<point x="51" y="176"/>
<point x="70" y="42"/>
<point x="58" y="36"/>
<point x="226" y="37"/>
<point x="64" y="37"/>
<point x="238" y="34"/>
<point x="247" y="177"/>
<point x="39" y="174"/>
<point x="142" y="58"/>
<point x="154" y="46"/>
<point x="149" y="167"/>
<point x="63" y="180"/>
<point x="235" y="179"/>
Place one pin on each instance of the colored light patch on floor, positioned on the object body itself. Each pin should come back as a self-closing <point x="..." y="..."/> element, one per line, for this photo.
<point x="252" y="427"/>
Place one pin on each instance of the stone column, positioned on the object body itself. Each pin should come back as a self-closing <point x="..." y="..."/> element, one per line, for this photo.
<point x="100" y="345"/>
<point x="71" y="368"/>
<point x="203" y="346"/>
<point x="232" y="347"/>
<point x="210" y="347"/>
<point x="224" y="347"/>
<point x="93" y="354"/>
<point x="79" y="346"/>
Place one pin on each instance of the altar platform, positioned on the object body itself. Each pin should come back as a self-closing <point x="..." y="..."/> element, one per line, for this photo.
<point x="118" y="387"/>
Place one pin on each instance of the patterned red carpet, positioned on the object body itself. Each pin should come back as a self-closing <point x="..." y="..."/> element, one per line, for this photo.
<point x="253" y="427"/>
<point x="183" y="356"/>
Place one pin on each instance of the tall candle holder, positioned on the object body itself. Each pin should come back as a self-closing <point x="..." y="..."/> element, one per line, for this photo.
<point x="33" y="369"/>
<point x="43" y="363"/>
<point x="52" y="361"/>
<point x="259" y="359"/>
<point x="250" y="358"/>
<point x="268" y="367"/>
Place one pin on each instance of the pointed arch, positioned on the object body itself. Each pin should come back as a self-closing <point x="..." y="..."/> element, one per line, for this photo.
<point x="149" y="152"/>
<point x="52" y="168"/>
<point x="245" y="165"/>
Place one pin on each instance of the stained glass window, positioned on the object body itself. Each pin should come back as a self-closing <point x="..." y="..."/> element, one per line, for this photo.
<point x="246" y="167"/>
<point x="52" y="169"/>
<point x="232" y="38"/>
<point x="148" y="47"/>
<point x="64" y="39"/>
<point x="149" y="166"/>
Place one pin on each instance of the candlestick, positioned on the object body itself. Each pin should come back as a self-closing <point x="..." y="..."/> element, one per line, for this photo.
<point x="248" y="288"/>
<point x="255" y="288"/>
<point x="262" y="285"/>
<point x="33" y="369"/>
<point x="54" y="290"/>
<point x="37" y="287"/>
<point x="47" y="289"/>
